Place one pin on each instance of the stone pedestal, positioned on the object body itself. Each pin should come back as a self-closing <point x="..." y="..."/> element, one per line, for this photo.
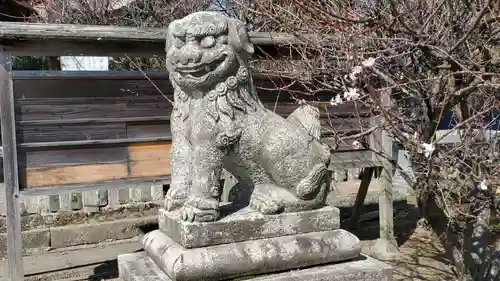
<point x="248" y="245"/>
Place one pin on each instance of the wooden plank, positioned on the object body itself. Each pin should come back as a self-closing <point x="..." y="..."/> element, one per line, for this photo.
<point x="67" y="39"/>
<point x="90" y="75"/>
<point x="148" y="131"/>
<point x="97" y="33"/>
<point x="75" y="174"/>
<point x="50" y="110"/>
<point x="130" y="75"/>
<point x="11" y="180"/>
<point x="360" y="196"/>
<point x="72" y="157"/>
<point x="148" y="109"/>
<point x="71" y="132"/>
<point x="345" y="146"/>
<point x="69" y="110"/>
<point x="89" y="121"/>
<point x="85" y="87"/>
<point x="123" y="184"/>
<point x="148" y="160"/>
<point x="354" y="159"/>
<point x="116" y="142"/>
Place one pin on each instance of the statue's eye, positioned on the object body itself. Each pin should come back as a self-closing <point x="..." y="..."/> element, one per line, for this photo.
<point x="208" y="42"/>
<point x="178" y="43"/>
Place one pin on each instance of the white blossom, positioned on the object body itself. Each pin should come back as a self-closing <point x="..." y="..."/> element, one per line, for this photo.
<point x="369" y="62"/>
<point x="483" y="185"/>
<point x="357" y="145"/>
<point x="427" y="149"/>
<point x="351" y="94"/>
<point x="355" y="71"/>
<point x="349" y="57"/>
<point x="416" y="136"/>
<point x="336" y="101"/>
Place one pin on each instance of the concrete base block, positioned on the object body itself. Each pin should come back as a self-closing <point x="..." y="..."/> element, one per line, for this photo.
<point x="140" y="267"/>
<point x="246" y="224"/>
<point x="386" y="249"/>
<point x="253" y="257"/>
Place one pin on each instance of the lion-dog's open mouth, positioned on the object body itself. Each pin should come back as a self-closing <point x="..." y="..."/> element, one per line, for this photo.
<point x="198" y="70"/>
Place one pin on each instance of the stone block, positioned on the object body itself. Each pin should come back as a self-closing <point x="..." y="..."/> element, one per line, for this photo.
<point x="80" y="234"/>
<point x="156" y="192"/>
<point x="102" y="195"/>
<point x="54" y="203"/>
<point x="43" y="204"/>
<point x="140" y="194"/>
<point x="123" y="196"/>
<point x="76" y="201"/>
<point x="140" y="267"/>
<point x="31" y="204"/>
<point x="65" y="201"/>
<point x="90" y="201"/>
<point x="251" y="257"/>
<point x="113" y="198"/>
<point x="246" y="224"/>
<point x="33" y="240"/>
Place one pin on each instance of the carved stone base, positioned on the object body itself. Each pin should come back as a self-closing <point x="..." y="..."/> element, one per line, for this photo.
<point x="246" y="224"/>
<point x="251" y="257"/>
<point x="140" y="267"/>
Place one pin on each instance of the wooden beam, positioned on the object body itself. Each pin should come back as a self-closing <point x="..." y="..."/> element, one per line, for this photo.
<point x="121" y="75"/>
<point x="58" y="144"/>
<point x="360" y="196"/>
<point x="94" y="121"/>
<point x="11" y="180"/>
<point x="386" y="246"/>
<point x="69" y="39"/>
<point x="108" y="185"/>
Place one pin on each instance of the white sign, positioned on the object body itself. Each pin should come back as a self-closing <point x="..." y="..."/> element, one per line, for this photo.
<point x="84" y="63"/>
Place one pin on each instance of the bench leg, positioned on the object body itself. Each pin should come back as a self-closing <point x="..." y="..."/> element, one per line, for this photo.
<point x="360" y="197"/>
<point x="386" y="246"/>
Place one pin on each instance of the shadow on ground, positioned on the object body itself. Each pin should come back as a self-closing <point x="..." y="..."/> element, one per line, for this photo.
<point x="109" y="269"/>
<point x="406" y="218"/>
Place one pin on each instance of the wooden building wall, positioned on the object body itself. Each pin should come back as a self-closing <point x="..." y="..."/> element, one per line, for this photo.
<point x="90" y="127"/>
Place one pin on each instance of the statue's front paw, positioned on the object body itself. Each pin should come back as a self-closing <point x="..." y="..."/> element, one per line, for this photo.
<point x="176" y="197"/>
<point x="264" y="204"/>
<point x="200" y="209"/>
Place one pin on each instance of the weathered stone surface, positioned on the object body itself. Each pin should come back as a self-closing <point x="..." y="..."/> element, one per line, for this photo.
<point x="33" y="241"/>
<point x="246" y="224"/>
<point x="250" y="257"/>
<point x="89" y="233"/>
<point x="140" y="267"/>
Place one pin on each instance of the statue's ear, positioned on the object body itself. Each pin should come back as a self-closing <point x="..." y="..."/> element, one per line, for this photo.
<point x="238" y="36"/>
<point x="170" y="36"/>
<point x="170" y="40"/>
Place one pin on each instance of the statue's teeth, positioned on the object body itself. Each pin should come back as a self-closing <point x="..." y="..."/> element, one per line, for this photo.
<point x="207" y="68"/>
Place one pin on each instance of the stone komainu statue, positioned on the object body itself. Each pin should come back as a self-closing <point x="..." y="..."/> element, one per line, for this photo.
<point x="219" y="122"/>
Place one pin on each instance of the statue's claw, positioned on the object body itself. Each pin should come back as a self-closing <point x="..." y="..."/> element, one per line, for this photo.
<point x="172" y="203"/>
<point x="175" y="198"/>
<point x="264" y="204"/>
<point x="200" y="210"/>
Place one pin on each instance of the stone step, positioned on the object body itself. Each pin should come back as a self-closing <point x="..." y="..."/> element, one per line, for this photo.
<point x="77" y="263"/>
<point x="221" y="262"/>
<point x="246" y="224"/>
<point x="139" y="267"/>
